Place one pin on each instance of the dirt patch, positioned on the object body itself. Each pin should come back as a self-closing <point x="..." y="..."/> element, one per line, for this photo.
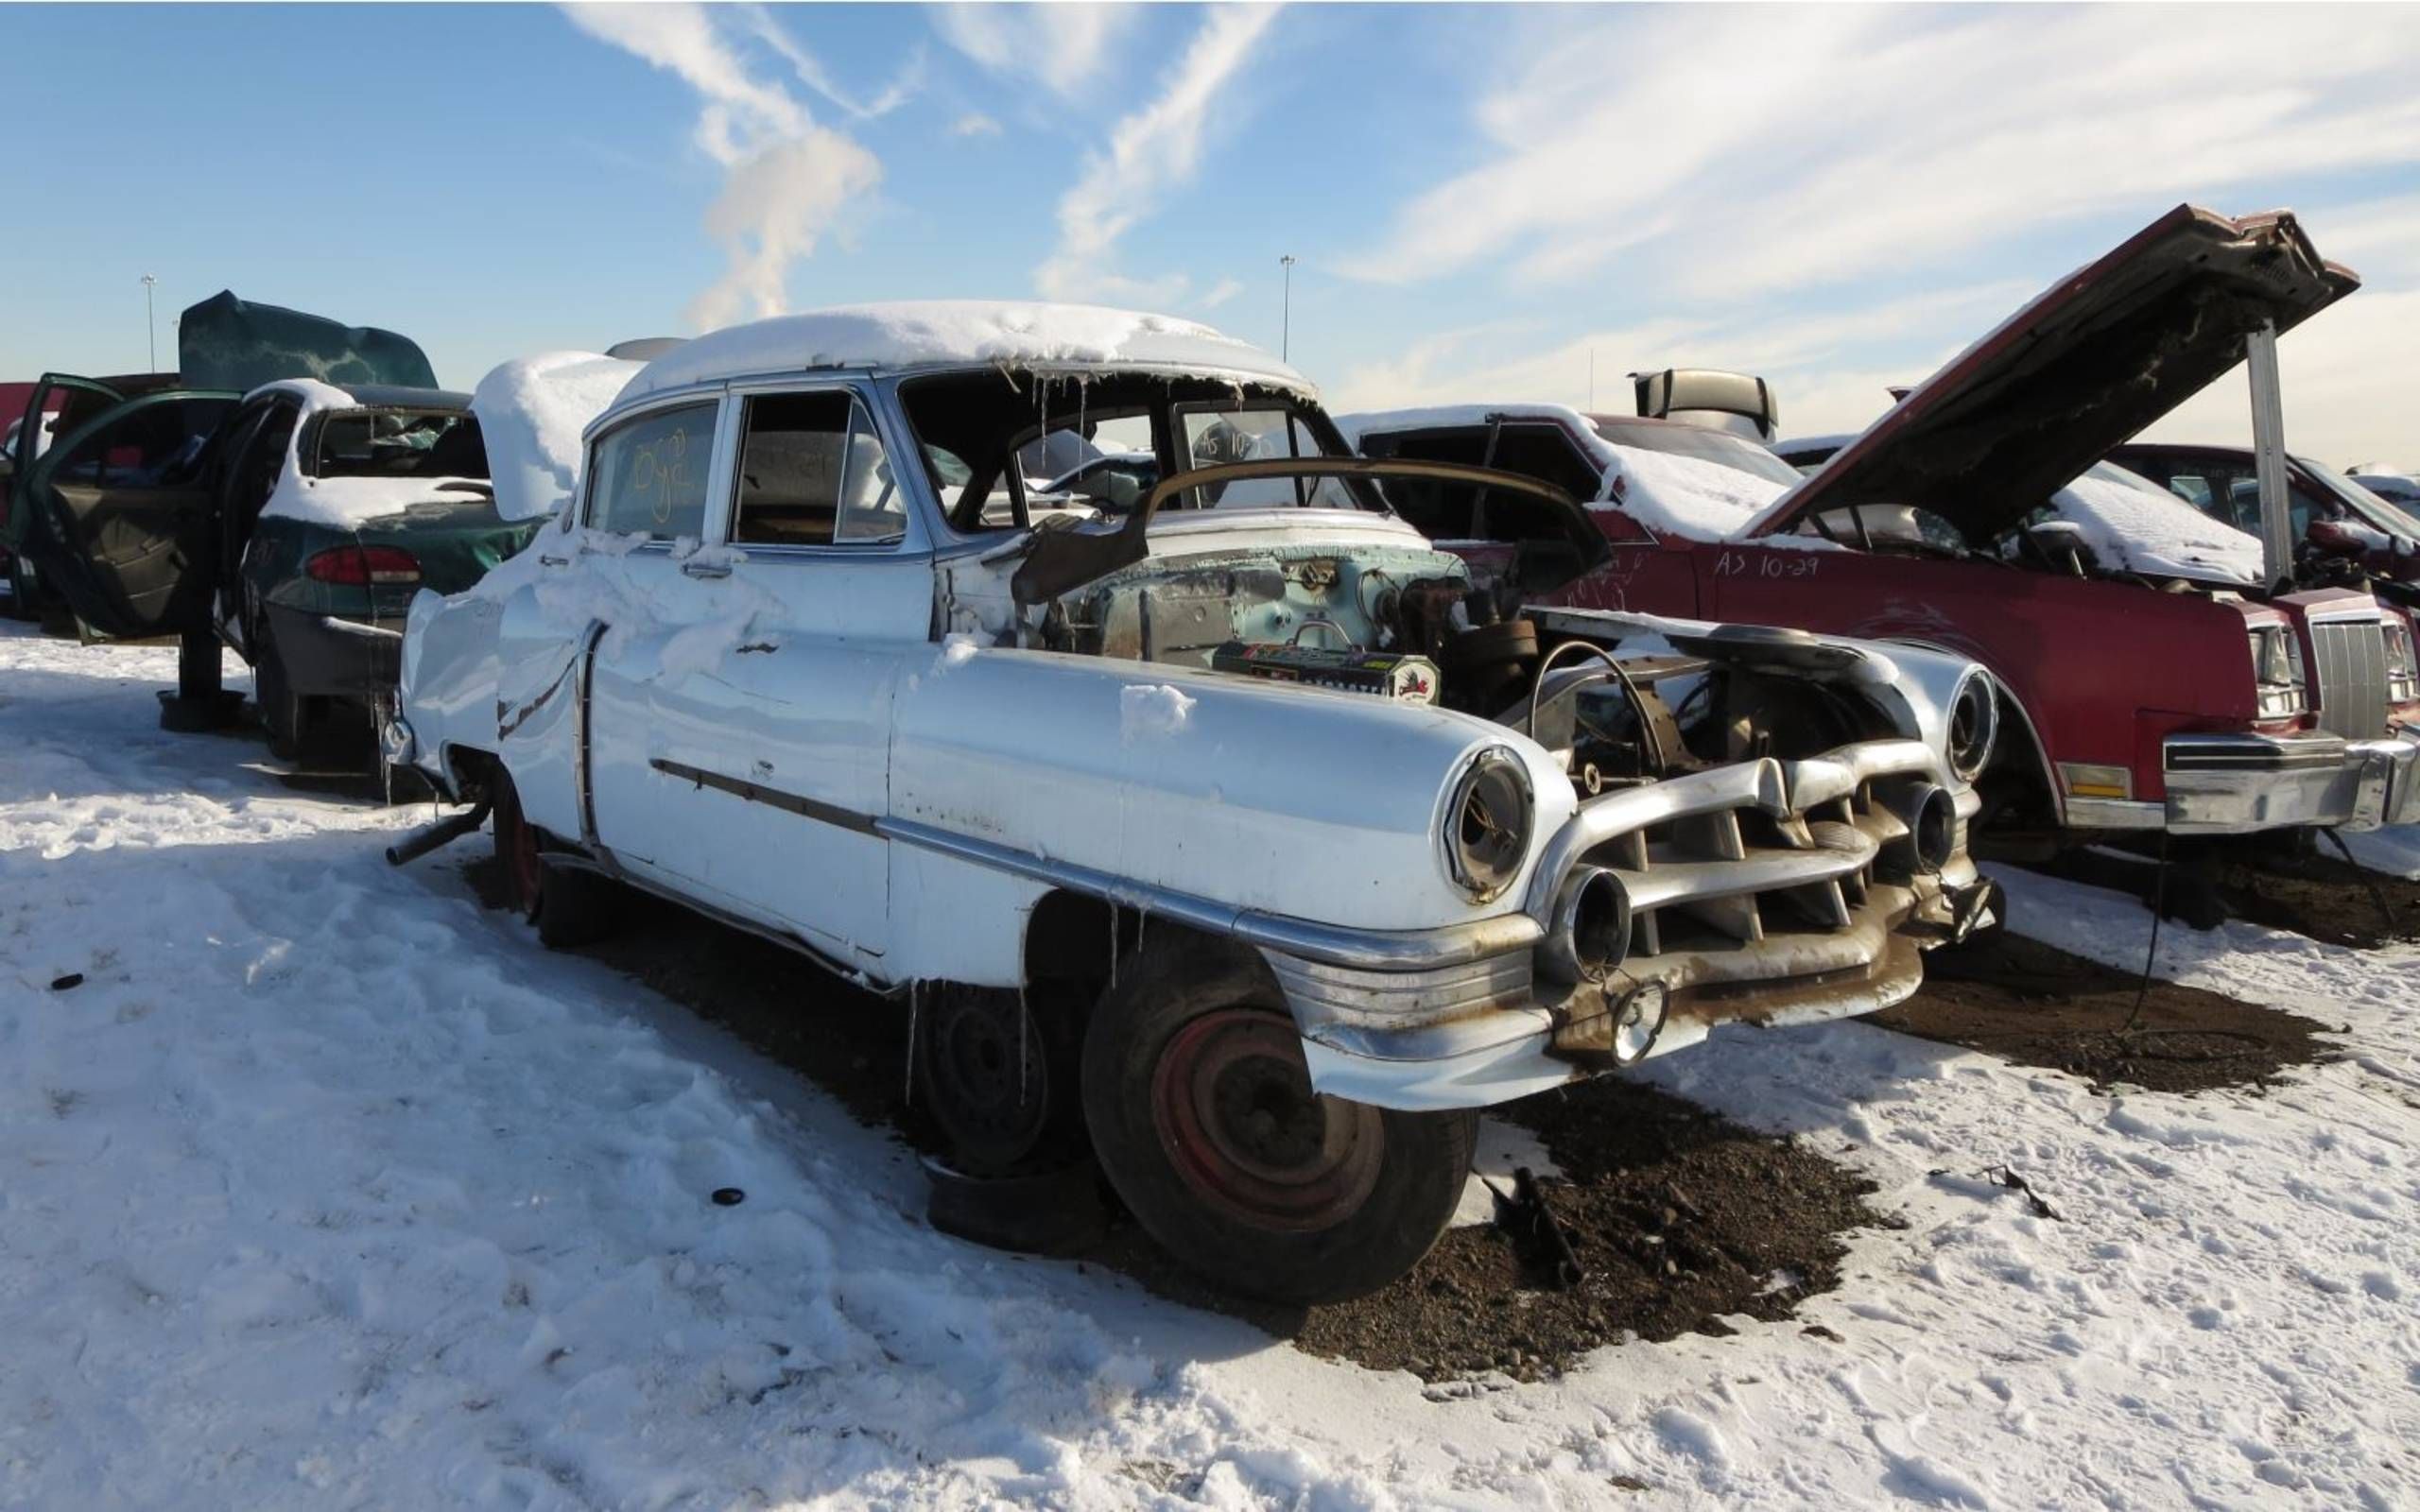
<point x="2035" y="1005"/>
<point x="1678" y="1217"/>
<point x="2278" y="882"/>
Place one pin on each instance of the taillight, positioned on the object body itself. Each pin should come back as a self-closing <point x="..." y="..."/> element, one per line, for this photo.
<point x="364" y="566"/>
<point x="2402" y="666"/>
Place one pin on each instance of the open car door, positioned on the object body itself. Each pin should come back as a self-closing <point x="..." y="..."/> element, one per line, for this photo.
<point x="117" y="515"/>
<point x="76" y="401"/>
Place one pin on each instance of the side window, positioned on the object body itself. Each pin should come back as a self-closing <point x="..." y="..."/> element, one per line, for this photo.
<point x="648" y="475"/>
<point x="813" y="471"/>
<point x="1212" y="436"/>
<point x="153" y="446"/>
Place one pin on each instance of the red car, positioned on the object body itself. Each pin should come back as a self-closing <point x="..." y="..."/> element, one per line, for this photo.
<point x="2130" y="701"/>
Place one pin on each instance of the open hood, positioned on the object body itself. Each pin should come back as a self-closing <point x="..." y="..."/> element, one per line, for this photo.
<point x="2091" y="361"/>
<point x="231" y="344"/>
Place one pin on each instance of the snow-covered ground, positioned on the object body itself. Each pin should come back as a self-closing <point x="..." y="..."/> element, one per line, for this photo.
<point x="327" y="1188"/>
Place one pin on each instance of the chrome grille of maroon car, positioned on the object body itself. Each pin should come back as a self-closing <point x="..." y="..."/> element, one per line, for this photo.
<point x="2348" y="659"/>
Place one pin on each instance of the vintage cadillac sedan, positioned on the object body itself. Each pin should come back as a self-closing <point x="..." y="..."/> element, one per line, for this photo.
<point x="1233" y="828"/>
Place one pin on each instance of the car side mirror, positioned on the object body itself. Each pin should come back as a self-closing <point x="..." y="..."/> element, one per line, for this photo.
<point x="2330" y="538"/>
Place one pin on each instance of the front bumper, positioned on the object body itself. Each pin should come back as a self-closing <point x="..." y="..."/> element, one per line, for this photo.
<point x="2236" y="783"/>
<point x="336" y="656"/>
<point x="1828" y="925"/>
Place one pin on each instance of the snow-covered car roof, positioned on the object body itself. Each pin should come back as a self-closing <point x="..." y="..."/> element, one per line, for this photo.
<point x="1686" y="496"/>
<point x="318" y="397"/>
<point x="532" y="411"/>
<point x="1080" y="339"/>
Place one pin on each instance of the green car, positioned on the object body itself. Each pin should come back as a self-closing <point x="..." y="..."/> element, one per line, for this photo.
<point x="291" y="486"/>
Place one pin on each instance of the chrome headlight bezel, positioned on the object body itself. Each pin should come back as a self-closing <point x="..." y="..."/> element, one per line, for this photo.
<point x="1971" y="729"/>
<point x="2278" y="689"/>
<point x="1489" y="820"/>
<point x="2402" y="662"/>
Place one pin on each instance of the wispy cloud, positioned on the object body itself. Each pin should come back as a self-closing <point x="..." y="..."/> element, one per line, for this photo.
<point x="1750" y="150"/>
<point x="1772" y="184"/>
<point x="1062" y="46"/>
<point x="903" y="87"/>
<point x="786" y="178"/>
<point x="974" y="123"/>
<point x="1153" y="150"/>
<point x="1217" y="294"/>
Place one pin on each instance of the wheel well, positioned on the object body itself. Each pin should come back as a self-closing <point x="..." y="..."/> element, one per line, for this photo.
<point x="470" y="769"/>
<point x="1075" y="937"/>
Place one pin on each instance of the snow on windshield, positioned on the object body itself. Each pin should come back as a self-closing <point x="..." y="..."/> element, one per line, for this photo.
<point x="2135" y="525"/>
<point x="532" y="410"/>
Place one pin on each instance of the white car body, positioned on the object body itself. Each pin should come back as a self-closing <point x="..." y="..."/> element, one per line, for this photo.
<point x="868" y="751"/>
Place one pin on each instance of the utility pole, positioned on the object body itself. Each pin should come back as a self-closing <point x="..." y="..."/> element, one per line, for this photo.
<point x="151" y="325"/>
<point x="1286" y="311"/>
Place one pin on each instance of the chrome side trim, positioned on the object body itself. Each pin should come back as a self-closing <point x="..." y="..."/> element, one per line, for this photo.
<point x="1366" y="948"/>
<point x="343" y="626"/>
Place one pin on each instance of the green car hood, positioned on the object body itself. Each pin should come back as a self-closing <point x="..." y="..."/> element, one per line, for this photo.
<point x="225" y="342"/>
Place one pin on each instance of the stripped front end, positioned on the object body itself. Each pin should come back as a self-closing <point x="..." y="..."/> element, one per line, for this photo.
<point x="1771" y="828"/>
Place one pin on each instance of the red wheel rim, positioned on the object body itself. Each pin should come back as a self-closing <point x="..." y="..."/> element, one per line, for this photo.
<point x="1233" y="1105"/>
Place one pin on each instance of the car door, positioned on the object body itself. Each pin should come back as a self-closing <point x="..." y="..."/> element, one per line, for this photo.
<point x="119" y="513"/>
<point x="73" y="401"/>
<point x="771" y="727"/>
<point x="251" y="458"/>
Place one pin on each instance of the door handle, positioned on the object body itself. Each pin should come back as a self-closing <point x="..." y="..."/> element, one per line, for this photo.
<point x="705" y="569"/>
<point x="545" y="560"/>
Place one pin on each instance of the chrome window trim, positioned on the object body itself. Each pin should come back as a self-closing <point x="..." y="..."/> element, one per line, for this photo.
<point x="915" y="487"/>
<point x="716" y="458"/>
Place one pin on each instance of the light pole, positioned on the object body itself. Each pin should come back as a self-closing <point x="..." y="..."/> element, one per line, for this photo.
<point x="151" y="325"/>
<point x="1286" y="311"/>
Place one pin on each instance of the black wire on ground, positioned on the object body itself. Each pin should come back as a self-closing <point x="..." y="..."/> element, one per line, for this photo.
<point x="2159" y="906"/>
<point x="2377" y="894"/>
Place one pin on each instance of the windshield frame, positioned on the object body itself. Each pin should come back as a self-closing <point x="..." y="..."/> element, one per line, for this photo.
<point x="2385" y="514"/>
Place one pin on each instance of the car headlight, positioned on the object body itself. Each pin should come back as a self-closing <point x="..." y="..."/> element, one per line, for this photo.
<point x="2402" y="667"/>
<point x="1488" y="818"/>
<point x="1974" y="724"/>
<point x="2277" y="672"/>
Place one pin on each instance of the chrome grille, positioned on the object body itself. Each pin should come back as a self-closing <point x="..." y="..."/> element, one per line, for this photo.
<point x="1745" y="872"/>
<point x="2348" y="659"/>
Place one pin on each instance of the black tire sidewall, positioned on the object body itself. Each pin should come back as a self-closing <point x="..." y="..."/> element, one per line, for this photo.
<point x="1425" y="1164"/>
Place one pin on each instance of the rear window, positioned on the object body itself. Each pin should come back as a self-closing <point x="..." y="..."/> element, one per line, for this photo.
<point x="390" y="443"/>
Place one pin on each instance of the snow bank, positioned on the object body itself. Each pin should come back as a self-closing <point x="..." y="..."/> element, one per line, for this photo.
<point x="1072" y="336"/>
<point x="531" y="413"/>
<point x="2140" y="528"/>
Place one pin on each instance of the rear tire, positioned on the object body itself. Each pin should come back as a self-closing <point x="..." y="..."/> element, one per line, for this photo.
<point x="282" y="712"/>
<point x="1202" y="1116"/>
<point x="570" y="906"/>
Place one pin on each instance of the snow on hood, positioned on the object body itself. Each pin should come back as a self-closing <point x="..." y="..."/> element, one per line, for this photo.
<point x="921" y="332"/>
<point x="2140" y="527"/>
<point x="1690" y="497"/>
<point x="531" y="413"/>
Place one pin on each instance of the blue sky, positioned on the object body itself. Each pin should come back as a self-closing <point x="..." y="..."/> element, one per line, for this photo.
<point x="1480" y="199"/>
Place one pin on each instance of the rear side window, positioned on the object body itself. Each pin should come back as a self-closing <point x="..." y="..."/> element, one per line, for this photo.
<point x="813" y="471"/>
<point x="650" y="473"/>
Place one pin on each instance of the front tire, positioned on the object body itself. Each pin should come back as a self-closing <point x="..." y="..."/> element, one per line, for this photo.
<point x="571" y="905"/>
<point x="1202" y="1116"/>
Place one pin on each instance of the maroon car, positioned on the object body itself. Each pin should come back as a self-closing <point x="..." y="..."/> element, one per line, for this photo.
<point x="2131" y="699"/>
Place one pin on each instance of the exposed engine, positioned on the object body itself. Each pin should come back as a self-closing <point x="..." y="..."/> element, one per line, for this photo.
<point x="1422" y="627"/>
